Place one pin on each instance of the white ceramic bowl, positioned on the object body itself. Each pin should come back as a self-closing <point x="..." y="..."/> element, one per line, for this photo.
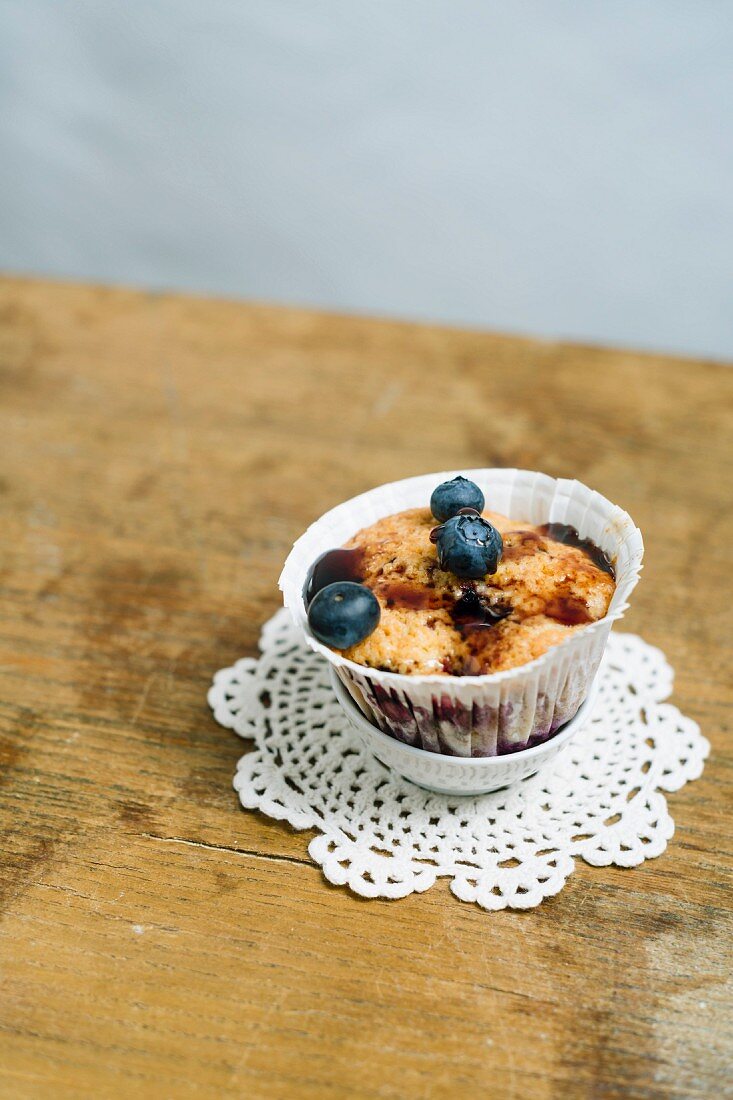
<point x="468" y="775"/>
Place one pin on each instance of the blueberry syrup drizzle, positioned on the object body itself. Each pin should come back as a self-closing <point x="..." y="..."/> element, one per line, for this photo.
<point x="521" y="544"/>
<point x="563" y="532"/>
<point x="568" y="610"/>
<point x="404" y="594"/>
<point x="334" y="565"/>
<point x="472" y="612"/>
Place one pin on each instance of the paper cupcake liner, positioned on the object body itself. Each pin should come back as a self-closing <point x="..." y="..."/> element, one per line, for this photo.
<point x="501" y="712"/>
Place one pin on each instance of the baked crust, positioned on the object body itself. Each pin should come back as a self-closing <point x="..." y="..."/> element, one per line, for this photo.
<point x="433" y="622"/>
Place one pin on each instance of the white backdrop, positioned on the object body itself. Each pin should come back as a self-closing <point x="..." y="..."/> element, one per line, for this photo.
<point x="560" y="168"/>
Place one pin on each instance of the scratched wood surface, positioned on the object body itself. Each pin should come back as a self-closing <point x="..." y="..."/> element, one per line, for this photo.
<point x="159" y="454"/>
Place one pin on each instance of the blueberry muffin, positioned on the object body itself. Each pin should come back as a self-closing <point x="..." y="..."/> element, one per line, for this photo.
<point x="479" y="594"/>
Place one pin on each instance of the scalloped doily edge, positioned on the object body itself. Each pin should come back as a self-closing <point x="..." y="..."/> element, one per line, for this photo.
<point x="332" y="850"/>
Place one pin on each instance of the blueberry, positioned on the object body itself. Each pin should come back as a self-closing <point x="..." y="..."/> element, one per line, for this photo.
<point x="448" y="499"/>
<point x="343" y="614"/>
<point x="468" y="546"/>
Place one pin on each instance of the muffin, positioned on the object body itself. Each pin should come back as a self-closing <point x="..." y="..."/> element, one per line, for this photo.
<point x="547" y="584"/>
<point x="479" y="664"/>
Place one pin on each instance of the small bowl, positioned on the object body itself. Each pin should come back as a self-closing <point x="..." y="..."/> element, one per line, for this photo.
<point x="466" y="775"/>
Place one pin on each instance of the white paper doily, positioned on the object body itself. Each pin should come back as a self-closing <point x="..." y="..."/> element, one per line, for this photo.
<point x="600" y="800"/>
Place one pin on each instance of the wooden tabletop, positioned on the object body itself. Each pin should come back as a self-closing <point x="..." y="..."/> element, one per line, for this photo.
<point x="159" y="456"/>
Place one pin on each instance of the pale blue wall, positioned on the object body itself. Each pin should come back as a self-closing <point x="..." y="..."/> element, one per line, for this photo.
<point x="555" y="167"/>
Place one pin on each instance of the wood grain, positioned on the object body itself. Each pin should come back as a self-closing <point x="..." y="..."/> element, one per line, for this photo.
<point x="159" y="455"/>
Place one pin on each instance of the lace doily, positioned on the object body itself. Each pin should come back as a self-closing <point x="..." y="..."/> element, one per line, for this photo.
<point x="599" y="800"/>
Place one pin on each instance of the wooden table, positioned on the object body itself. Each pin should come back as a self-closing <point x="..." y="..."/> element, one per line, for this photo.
<point x="159" y="456"/>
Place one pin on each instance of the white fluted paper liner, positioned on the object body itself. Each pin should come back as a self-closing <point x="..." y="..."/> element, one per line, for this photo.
<point x="504" y="711"/>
